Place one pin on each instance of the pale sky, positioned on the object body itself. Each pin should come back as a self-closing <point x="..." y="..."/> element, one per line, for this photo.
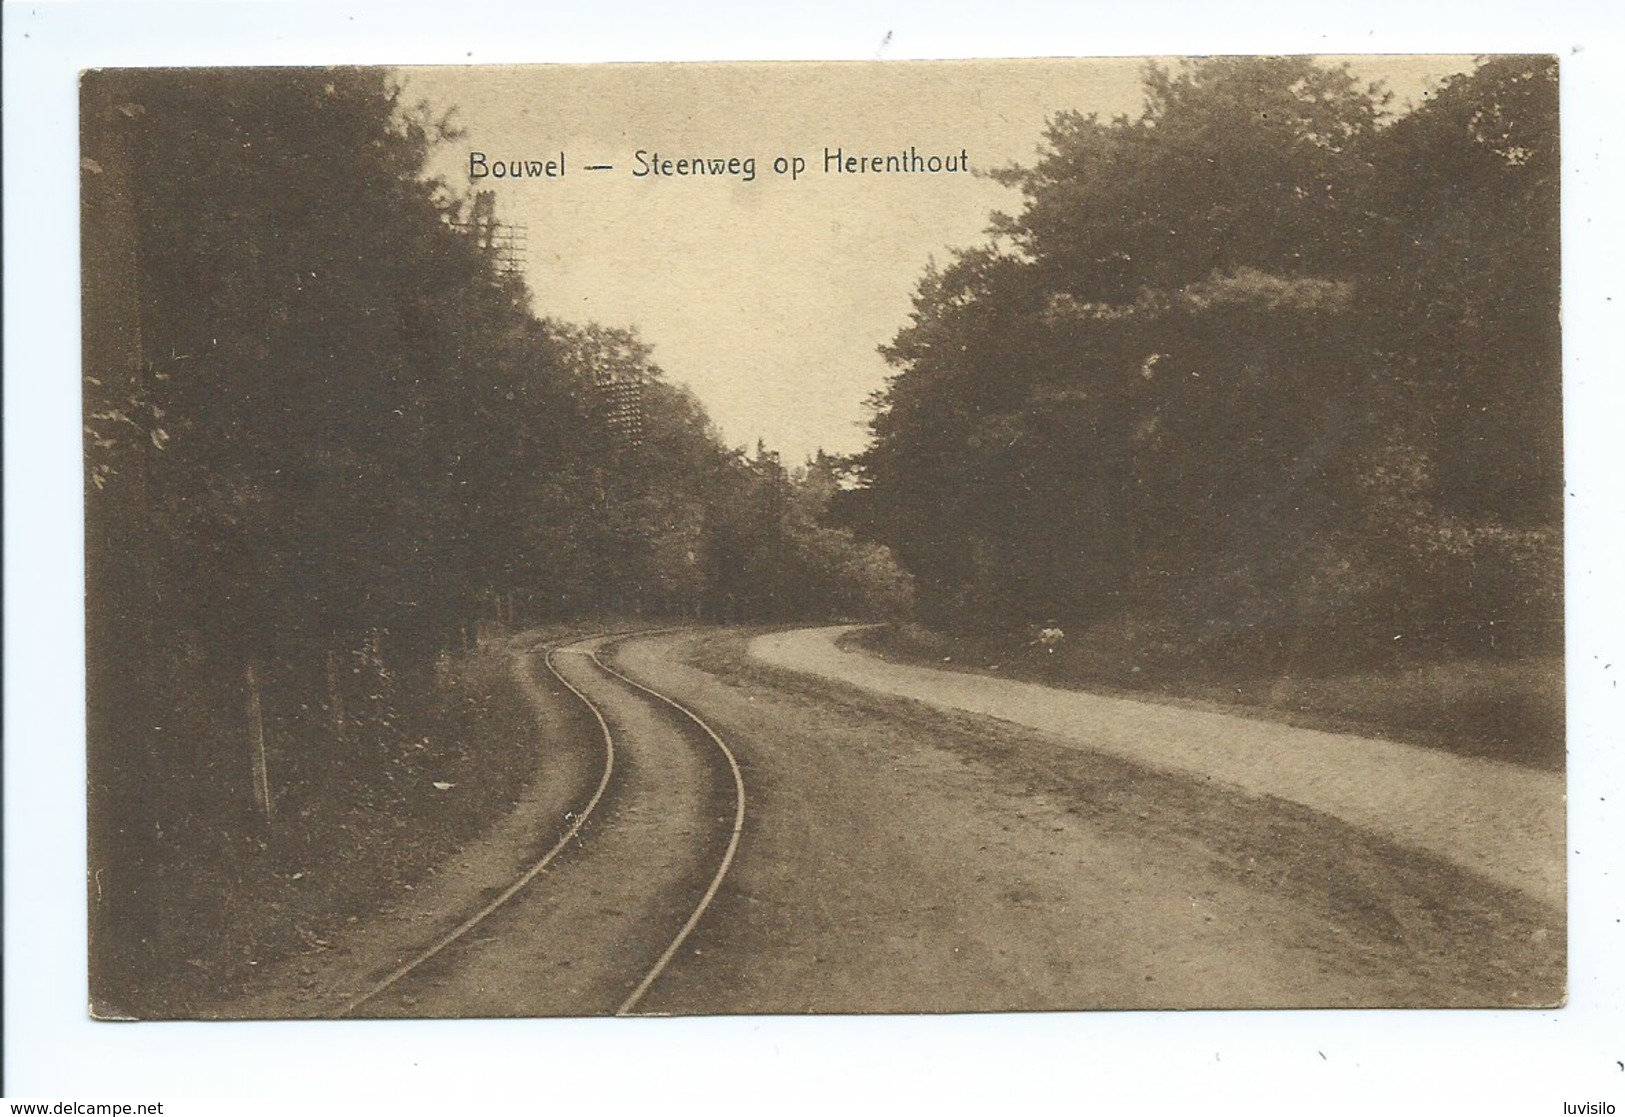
<point x="769" y="297"/>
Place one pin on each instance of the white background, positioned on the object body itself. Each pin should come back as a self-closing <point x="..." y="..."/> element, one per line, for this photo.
<point x="1414" y="1062"/>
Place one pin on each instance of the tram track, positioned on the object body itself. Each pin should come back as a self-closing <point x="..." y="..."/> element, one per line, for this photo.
<point x="900" y="860"/>
<point x="727" y="858"/>
<point x="617" y="797"/>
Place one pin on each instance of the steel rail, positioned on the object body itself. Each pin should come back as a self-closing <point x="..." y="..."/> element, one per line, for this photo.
<point x="579" y="820"/>
<point x="728" y="855"/>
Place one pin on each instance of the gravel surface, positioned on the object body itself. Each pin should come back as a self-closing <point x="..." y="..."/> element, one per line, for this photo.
<point x="897" y="857"/>
<point x="900" y="859"/>
<point x="1499" y="820"/>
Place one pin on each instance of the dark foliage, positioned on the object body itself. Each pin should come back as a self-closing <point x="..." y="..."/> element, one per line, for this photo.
<point x="1256" y="370"/>
<point x="326" y="441"/>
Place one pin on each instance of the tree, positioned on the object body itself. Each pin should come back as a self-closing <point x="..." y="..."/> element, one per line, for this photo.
<point x="1463" y="283"/>
<point x="294" y="364"/>
<point x="1174" y="387"/>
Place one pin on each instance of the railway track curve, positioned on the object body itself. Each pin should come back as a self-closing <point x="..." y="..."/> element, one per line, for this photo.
<point x="621" y="794"/>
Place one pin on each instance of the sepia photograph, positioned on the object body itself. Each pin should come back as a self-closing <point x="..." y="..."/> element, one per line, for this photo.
<point x="864" y="558"/>
<point x="842" y="538"/>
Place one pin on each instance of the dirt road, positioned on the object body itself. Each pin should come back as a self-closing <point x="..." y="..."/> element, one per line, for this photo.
<point x="901" y="858"/>
<point x="1496" y="819"/>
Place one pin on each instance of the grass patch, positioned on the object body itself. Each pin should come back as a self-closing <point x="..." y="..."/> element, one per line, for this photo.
<point x="1508" y="709"/>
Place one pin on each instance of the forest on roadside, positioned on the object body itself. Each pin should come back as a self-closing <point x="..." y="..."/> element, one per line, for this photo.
<point x="1267" y="376"/>
<point x="328" y="443"/>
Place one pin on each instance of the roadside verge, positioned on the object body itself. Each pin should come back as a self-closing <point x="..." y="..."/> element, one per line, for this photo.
<point x="1500" y="820"/>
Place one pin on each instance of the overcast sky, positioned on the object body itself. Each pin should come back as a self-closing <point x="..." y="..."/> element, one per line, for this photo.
<point x="769" y="297"/>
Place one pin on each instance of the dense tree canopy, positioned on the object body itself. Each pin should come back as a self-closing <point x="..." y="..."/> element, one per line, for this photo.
<point x="1259" y="358"/>
<point x="326" y="439"/>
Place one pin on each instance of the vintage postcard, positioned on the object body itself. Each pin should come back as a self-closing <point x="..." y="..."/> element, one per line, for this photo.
<point x="927" y="537"/>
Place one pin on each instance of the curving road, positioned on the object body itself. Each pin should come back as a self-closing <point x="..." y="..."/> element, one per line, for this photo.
<point x="1496" y="819"/>
<point x="905" y="859"/>
<point x="906" y="854"/>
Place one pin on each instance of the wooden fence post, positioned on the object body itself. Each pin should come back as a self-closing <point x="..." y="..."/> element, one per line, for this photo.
<point x="256" y="741"/>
